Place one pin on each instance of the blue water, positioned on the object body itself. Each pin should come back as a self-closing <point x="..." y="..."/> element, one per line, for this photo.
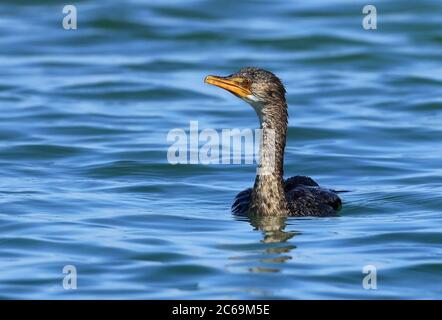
<point x="85" y="179"/>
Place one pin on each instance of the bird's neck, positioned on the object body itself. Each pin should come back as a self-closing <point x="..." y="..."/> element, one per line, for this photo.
<point x="268" y="196"/>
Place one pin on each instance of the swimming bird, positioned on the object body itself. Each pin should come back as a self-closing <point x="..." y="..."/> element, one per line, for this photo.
<point x="271" y="195"/>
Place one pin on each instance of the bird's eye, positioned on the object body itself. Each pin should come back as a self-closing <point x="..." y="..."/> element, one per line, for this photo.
<point x="245" y="82"/>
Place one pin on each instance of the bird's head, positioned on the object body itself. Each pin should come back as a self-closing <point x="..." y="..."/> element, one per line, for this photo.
<point x="260" y="88"/>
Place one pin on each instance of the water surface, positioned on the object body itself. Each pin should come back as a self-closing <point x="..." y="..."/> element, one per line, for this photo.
<point x="83" y="152"/>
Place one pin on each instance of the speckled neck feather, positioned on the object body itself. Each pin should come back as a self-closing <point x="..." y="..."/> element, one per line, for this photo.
<point x="268" y="196"/>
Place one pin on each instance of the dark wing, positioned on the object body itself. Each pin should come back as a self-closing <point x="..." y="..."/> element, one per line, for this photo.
<point x="241" y="203"/>
<point x="295" y="181"/>
<point x="306" y="198"/>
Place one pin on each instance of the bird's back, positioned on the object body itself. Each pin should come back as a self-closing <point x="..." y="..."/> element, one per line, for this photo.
<point x="304" y="198"/>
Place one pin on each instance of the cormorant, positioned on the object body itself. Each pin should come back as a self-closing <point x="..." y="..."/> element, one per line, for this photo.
<point x="271" y="195"/>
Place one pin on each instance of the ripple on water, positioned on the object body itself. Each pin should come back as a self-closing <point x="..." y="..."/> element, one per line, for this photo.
<point x="83" y="150"/>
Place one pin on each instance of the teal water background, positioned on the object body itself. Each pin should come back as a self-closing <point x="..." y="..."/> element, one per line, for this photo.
<point x="85" y="181"/>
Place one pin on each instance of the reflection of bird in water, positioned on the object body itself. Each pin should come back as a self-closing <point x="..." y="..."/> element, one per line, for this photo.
<point x="272" y="228"/>
<point x="271" y="195"/>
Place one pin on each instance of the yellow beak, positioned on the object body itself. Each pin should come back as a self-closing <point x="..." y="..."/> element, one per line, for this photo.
<point x="234" y="85"/>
